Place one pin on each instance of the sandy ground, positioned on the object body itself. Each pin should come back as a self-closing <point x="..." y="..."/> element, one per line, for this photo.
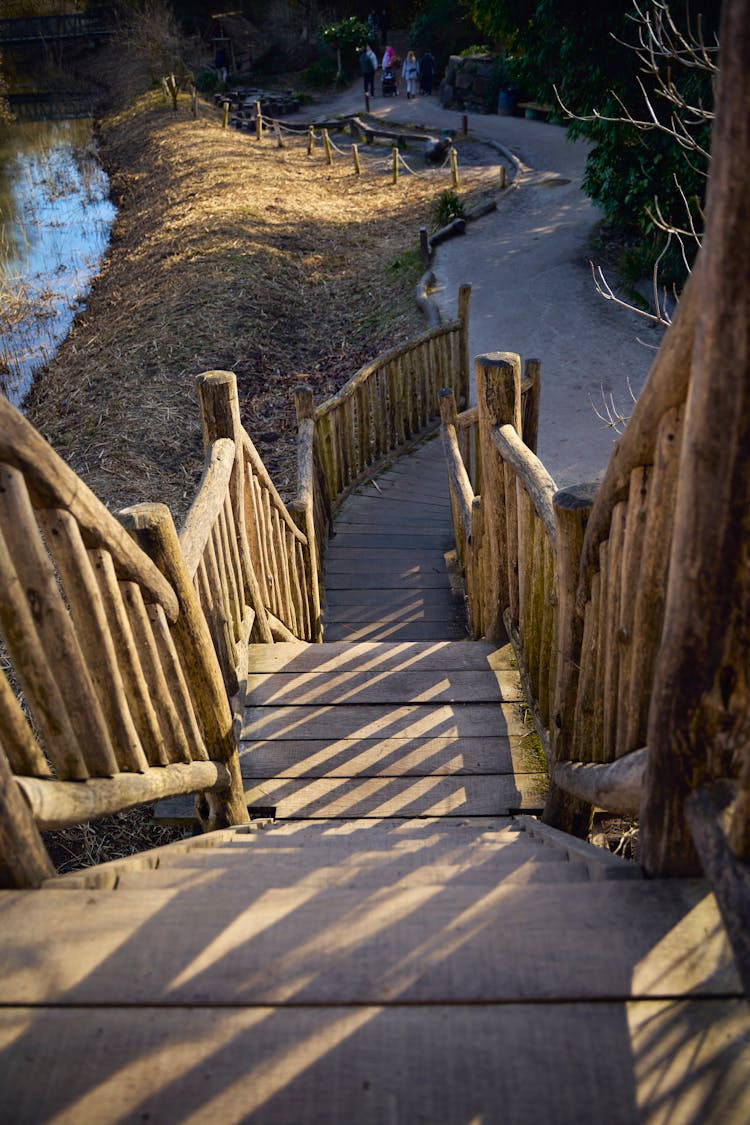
<point x="532" y="291"/>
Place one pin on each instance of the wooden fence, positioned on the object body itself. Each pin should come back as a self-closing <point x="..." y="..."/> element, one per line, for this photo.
<point x="390" y="402"/>
<point x="578" y="579"/>
<point x="112" y="694"/>
<point x="128" y="643"/>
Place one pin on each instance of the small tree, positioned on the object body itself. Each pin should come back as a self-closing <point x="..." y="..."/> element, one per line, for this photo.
<point x="349" y="33"/>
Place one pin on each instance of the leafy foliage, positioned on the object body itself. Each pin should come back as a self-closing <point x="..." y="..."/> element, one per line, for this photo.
<point x="447" y="207"/>
<point x="347" y="36"/>
<point x="444" y="28"/>
<point x="576" y="50"/>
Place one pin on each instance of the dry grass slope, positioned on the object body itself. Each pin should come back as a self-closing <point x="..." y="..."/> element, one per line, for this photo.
<point x="228" y="254"/>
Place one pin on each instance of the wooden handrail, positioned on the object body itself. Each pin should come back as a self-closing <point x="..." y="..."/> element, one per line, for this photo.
<point x="389" y="402"/>
<point x="208" y="502"/>
<point x="530" y="472"/>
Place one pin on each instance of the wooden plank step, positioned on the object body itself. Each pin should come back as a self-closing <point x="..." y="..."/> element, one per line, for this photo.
<point x="376" y="541"/>
<point x="395" y="631"/>
<point x="416" y="757"/>
<point x="402" y="686"/>
<point x="389" y="516"/>
<point x="379" y="656"/>
<point x="379" y="610"/>
<point x="605" y="941"/>
<point x="397" y="599"/>
<point x="422" y="557"/>
<point x="458" y="720"/>
<point x="603" y="1062"/>
<point x="360" y="851"/>
<point x="402" y="495"/>
<point x="402" y="577"/>
<point x="383" y="796"/>
<point x="434" y="832"/>
<point x="260" y="876"/>
<point x="469" y="795"/>
<point x="379" y="506"/>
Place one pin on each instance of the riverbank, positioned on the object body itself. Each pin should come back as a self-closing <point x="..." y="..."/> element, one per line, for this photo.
<point x="226" y="253"/>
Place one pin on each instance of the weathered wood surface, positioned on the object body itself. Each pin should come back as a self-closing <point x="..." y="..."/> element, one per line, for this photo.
<point x="372" y="757"/>
<point x="471" y="795"/>
<point x="393" y="535"/>
<point x="407" y="944"/>
<point x="276" y="1065"/>
<point x="406" y="721"/>
<point x="364" y="656"/>
<point x="402" y="686"/>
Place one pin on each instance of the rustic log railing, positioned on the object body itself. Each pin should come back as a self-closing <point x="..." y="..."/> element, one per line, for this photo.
<point x="388" y="403"/>
<point x="580" y="580"/>
<point x="585" y="621"/>
<point x="111" y="652"/>
<point x="260" y="556"/>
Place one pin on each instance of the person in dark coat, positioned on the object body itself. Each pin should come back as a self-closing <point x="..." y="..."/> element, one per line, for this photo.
<point x="426" y="72"/>
<point x="368" y="64"/>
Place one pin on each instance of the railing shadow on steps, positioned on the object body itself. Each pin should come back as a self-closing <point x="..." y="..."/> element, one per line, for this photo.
<point x="128" y="643"/>
<point x="580" y="578"/>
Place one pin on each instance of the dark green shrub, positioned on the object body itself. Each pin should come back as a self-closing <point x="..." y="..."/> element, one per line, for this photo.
<point x="447" y="207"/>
<point x="321" y="73"/>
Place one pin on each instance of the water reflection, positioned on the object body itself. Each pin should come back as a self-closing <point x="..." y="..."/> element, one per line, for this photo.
<point x="54" y="227"/>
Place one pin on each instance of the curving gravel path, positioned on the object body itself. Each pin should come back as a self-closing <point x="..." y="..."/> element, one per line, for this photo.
<point x="532" y="290"/>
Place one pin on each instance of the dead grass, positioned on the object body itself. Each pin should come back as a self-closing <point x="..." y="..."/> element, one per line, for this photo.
<point x="226" y="254"/>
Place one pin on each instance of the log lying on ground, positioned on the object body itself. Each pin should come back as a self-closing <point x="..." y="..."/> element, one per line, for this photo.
<point x="458" y="226"/>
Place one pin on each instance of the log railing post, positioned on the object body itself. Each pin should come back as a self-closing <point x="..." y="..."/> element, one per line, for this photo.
<point x="303" y="510"/>
<point x="23" y="858"/>
<point x="152" y="528"/>
<point x="533" y="377"/>
<point x="572" y="507"/>
<point x="463" y="384"/>
<point x="220" y="418"/>
<point x="498" y="384"/>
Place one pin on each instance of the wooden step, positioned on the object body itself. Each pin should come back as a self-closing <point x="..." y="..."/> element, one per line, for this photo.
<point x="375" y="721"/>
<point x="571" y="1064"/>
<point x="256" y="876"/>
<point x="378" y="656"/>
<point x="266" y="689"/>
<point x="485" y="795"/>
<point x="373" y="757"/>
<point x="461" y="944"/>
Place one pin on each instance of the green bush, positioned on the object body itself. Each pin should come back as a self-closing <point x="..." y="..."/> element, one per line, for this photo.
<point x="446" y="208"/>
<point x="320" y="73"/>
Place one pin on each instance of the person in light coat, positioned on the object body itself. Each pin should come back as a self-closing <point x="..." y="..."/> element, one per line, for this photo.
<point x="410" y="74"/>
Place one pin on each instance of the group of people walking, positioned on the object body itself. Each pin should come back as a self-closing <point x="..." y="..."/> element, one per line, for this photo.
<point x="417" y="74"/>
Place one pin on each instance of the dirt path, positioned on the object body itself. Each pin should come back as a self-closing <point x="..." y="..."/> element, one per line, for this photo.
<point x="532" y="291"/>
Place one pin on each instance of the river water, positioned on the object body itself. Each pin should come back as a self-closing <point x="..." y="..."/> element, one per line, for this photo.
<point x="55" y="218"/>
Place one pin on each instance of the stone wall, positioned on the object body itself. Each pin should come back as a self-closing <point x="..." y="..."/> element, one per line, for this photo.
<point x="472" y="83"/>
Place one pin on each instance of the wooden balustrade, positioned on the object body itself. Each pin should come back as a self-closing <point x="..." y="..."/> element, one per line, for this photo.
<point x="261" y="557"/>
<point x="586" y="669"/>
<point x="391" y="401"/>
<point x="111" y="652"/>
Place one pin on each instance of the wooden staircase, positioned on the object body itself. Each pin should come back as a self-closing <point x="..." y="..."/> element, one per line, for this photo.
<point x="443" y="969"/>
<point x="399" y="942"/>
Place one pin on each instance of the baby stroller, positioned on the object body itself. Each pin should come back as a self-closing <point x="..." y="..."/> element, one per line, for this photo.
<point x="390" y="86"/>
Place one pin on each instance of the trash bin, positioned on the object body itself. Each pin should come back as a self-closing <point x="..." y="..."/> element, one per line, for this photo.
<point x="507" y="100"/>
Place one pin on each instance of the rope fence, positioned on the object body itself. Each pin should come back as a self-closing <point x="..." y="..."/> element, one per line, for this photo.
<point x="362" y="155"/>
